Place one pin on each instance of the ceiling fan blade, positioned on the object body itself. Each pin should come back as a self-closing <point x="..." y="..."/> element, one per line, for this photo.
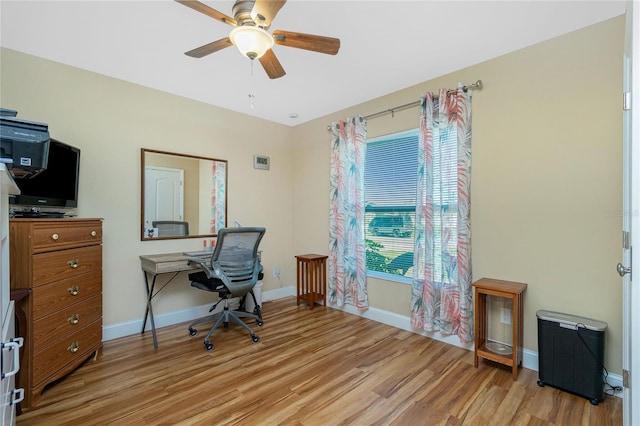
<point x="271" y="65"/>
<point x="209" y="48"/>
<point x="328" y="45"/>
<point x="209" y="11"/>
<point x="264" y="11"/>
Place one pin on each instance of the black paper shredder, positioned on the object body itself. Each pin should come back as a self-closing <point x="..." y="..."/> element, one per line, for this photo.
<point x="571" y="354"/>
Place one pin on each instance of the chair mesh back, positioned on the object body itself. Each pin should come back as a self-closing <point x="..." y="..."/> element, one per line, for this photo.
<point x="170" y="228"/>
<point x="236" y="258"/>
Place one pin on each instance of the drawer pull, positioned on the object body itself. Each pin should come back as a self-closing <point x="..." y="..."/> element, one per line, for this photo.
<point x="74" y="347"/>
<point x="73" y="263"/>
<point x="13" y="345"/>
<point x="94" y="233"/>
<point x="17" y="396"/>
<point x="74" y="290"/>
<point x="74" y="319"/>
<point x="55" y="237"/>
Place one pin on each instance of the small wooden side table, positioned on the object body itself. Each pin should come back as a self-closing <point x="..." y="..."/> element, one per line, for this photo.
<point x="505" y="289"/>
<point x="311" y="271"/>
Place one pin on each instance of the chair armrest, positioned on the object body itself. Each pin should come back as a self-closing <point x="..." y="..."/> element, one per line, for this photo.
<point x="199" y="260"/>
<point x="204" y="263"/>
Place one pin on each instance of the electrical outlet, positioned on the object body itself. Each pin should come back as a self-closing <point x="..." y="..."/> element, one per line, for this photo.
<point x="276" y="271"/>
<point x="505" y="316"/>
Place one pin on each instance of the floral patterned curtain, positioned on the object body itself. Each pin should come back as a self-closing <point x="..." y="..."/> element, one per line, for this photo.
<point x="441" y="298"/>
<point x="347" y="278"/>
<point x="218" y="195"/>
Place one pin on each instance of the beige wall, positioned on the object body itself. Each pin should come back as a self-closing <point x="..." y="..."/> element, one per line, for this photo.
<point x="546" y="182"/>
<point x="546" y="176"/>
<point x="110" y="120"/>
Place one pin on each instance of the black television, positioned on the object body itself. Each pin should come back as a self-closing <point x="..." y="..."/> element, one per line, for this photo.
<point x="57" y="186"/>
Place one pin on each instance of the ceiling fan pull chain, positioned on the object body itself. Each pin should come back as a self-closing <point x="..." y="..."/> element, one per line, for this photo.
<point x="252" y="97"/>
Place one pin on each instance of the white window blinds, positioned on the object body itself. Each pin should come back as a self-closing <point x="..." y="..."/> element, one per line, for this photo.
<point x="391" y="172"/>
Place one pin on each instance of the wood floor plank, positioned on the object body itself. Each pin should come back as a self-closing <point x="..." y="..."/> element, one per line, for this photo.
<point x="484" y="408"/>
<point x="311" y="367"/>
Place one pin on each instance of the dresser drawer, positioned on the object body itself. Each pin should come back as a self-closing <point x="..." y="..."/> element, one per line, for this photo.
<point x="61" y="235"/>
<point x="59" y="265"/>
<point x="50" y="329"/>
<point x="61" y="294"/>
<point x="69" y="351"/>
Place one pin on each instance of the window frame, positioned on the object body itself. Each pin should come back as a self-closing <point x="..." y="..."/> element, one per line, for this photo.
<point x="449" y="148"/>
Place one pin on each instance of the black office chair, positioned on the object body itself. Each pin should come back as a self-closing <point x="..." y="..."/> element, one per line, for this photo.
<point x="171" y="228"/>
<point x="233" y="271"/>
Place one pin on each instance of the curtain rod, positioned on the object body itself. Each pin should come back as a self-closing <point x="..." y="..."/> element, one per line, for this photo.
<point x="465" y="88"/>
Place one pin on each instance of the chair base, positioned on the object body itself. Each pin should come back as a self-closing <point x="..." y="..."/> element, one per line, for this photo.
<point x="225" y="317"/>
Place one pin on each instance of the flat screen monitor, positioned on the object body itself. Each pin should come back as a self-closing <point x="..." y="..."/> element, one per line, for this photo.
<point x="57" y="186"/>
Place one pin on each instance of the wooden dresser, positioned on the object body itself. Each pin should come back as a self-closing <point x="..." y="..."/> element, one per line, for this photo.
<point x="60" y="262"/>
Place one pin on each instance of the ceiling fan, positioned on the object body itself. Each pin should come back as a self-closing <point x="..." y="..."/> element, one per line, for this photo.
<point x="252" y="19"/>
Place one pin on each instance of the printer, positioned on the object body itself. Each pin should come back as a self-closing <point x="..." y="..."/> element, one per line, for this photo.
<point x="24" y="146"/>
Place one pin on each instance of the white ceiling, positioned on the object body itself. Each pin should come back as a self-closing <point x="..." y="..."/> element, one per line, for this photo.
<point x="385" y="45"/>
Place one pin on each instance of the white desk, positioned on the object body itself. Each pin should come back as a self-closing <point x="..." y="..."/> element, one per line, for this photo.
<point x="154" y="265"/>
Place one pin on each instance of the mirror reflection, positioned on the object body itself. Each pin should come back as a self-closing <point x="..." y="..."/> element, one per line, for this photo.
<point x="183" y="196"/>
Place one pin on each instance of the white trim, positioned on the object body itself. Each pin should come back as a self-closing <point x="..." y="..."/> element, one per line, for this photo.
<point x="631" y="155"/>
<point x="403" y="322"/>
<point x="400" y="321"/>
<point x="128" y="328"/>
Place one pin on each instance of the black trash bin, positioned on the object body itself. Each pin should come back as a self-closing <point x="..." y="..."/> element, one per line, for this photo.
<point x="571" y="354"/>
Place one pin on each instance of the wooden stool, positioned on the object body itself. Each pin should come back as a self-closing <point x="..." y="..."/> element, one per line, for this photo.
<point x="506" y="289"/>
<point x="311" y="271"/>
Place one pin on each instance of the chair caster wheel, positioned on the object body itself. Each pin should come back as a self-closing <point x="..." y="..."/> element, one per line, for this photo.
<point x="255" y="338"/>
<point x="259" y="323"/>
<point x="208" y="346"/>
<point x="192" y="332"/>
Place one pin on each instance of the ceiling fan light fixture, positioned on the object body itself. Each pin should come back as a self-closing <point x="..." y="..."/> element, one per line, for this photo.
<point x="251" y="41"/>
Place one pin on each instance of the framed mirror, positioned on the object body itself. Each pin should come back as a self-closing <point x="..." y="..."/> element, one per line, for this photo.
<point x="183" y="196"/>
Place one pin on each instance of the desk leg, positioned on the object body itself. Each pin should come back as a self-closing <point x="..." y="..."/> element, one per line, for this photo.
<point x="149" y="312"/>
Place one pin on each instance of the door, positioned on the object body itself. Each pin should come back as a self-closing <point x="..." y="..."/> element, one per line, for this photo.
<point x="164" y="194"/>
<point x="9" y="345"/>
<point x="631" y="219"/>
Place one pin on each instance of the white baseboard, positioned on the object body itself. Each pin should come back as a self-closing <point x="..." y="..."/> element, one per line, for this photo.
<point x="128" y="328"/>
<point x="278" y="293"/>
<point x="110" y="332"/>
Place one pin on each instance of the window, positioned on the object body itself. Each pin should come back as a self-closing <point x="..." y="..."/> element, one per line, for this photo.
<point x="390" y="176"/>
<point x="390" y="181"/>
<point x="445" y="201"/>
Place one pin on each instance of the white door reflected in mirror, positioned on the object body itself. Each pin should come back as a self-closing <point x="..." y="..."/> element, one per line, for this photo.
<point x="164" y="197"/>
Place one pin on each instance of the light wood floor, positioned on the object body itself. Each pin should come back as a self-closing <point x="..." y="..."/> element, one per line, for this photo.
<point x="320" y="367"/>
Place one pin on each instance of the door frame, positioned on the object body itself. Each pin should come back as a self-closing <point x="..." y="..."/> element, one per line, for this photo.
<point x="631" y="217"/>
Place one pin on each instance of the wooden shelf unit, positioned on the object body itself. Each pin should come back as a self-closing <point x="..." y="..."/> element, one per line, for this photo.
<point x="508" y="290"/>
<point x="311" y="272"/>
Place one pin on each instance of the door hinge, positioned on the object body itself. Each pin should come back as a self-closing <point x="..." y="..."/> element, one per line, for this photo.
<point x="625" y="239"/>
<point x="626" y="101"/>
<point x="625" y="378"/>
